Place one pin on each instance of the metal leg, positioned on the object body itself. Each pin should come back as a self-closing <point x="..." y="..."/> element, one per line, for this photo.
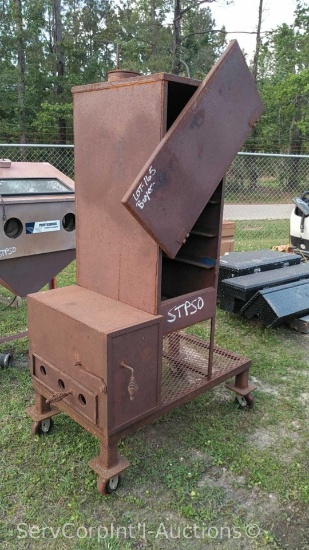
<point x="41" y="412"/>
<point x="211" y="347"/>
<point x="242" y="380"/>
<point x="242" y="385"/>
<point x="108" y="456"/>
<point x="52" y="284"/>
<point x="108" y="466"/>
<point x="41" y="405"/>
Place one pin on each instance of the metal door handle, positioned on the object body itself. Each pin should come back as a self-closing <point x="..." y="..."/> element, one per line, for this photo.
<point x="58" y="396"/>
<point x="132" y="387"/>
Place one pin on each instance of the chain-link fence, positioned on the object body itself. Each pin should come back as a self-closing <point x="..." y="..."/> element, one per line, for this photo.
<point x="60" y="156"/>
<point x="259" y="192"/>
<point x="261" y="178"/>
<point x="258" y="196"/>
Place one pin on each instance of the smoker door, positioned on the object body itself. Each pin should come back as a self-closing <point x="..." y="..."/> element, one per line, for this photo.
<point x="134" y="370"/>
<point x="181" y="175"/>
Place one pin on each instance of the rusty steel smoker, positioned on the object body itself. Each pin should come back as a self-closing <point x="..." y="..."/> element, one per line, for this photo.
<point x="147" y="268"/>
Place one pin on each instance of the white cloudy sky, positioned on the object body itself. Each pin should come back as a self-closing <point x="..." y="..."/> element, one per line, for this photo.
<point x="243" y="16"/>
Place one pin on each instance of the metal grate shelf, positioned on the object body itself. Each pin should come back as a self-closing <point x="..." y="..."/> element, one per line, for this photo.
<point x="186" y="362"/>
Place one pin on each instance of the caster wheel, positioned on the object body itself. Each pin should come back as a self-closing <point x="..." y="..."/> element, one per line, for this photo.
<point x="244" y="401"/>
<point x="6" y="360"/>
<point x="108" y="486"/>
<point x="42" y="427"/>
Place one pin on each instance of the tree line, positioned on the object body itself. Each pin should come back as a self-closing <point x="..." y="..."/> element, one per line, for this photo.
<point x="48" y="46"/>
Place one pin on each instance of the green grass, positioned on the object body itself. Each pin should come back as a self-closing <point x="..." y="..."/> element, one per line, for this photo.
<point x="257" y="234"/>
<point x="206" y="466"/>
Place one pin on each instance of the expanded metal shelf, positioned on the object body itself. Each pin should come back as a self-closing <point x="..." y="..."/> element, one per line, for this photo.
<point x="189" y="365"/>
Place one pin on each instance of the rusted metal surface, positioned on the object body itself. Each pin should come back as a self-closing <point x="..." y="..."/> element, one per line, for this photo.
<point x="37" y="239"/>
<point x="175" y="391"/>
<point x="144" y="79"/>
<point x="78" y="397"/>
<point x="36" y="415"/>
<point x="187" y="310"/>
<point x="128" y="120"/>
<point x="117" y="466"/>
<point x="109" y="152"/>
<point x="178" y="179"/>
<point x="141" y="350"/>
<point x="52" y="284"/>
<point x="189" y="281"/>
<point x="103" y="333"/>
<point x="123" y="319"/>
<point x="113" y="76"/>
<point x="186" y="361"/>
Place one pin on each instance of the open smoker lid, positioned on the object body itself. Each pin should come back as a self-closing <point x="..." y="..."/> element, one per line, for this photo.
<point x="181" y="175"/>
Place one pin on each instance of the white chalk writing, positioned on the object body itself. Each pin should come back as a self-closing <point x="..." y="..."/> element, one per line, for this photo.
<point x="145" y="188"/>
<point x="185" y="309"/>
<point x="7" y="251"/>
